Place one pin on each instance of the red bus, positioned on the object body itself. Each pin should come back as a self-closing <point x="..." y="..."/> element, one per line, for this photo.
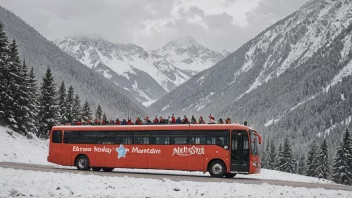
<point x="223" y="150"/>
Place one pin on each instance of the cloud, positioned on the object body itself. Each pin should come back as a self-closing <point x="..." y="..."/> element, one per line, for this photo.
<point x="221" y="24"/>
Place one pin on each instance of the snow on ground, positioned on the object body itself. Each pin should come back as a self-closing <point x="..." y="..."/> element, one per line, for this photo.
<point x="17" y="148"/>
<point x="20" y="183"/>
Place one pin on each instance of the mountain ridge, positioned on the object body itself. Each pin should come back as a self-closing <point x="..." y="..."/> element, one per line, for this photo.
<point x="41" y="54"/>
<point x="124" y="64"/>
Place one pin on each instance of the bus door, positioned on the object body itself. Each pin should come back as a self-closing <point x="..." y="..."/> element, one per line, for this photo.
<point x="239" y="152"/>
<point x="55" y="147"/>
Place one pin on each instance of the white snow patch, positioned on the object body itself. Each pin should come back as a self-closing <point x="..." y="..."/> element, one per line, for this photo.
<point x="271" y="122"/>
<point x="345" y="71"/>
<point x="166" y="107"/>
<point x="347" y="121"/>
<point x="301" y="103"/>
<point x="148" y="103"/>
<point x="342" y="97"/>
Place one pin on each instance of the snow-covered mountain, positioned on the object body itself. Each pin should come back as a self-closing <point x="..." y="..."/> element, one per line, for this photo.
<point x="293" y="78"/>
<point x="148" y="75"/>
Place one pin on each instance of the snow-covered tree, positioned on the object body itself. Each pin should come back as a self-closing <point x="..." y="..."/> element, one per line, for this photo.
<point x="33" y="103"/>
<point x="286" y="163"/>
<point x="312" y="161"/>
<point x="98" y="113"/>
<point x="341" y="167"/>
<point x="272" y="155"/>
<point x="69" y="104"/>
<point x="104" y="117"/>
<point x="12" y="92"/>
<point x="265" y="155"/>
<point x="77" y="112"/>
<point x="323" y="167"/>
<point x="302" y="165"/>
<point x="61" y="101"/>
<point x="48" y="106"/>
<point x="279" y="158"/>
<point x="23" y="96"/>
<point x="4" y="70"/>
<point x="86" y="112"/>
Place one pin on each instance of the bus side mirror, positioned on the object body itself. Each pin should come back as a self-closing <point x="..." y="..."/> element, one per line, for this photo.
<point x="259" y="138"/>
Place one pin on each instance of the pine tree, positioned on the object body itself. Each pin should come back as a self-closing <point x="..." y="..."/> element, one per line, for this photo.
<point x="286" y="163"/>
<point x="69" y="104"/>
<point x="12" y="91"/>
<point x="341" y="167"/>
<point x="4" y="70"/>
<point x="61" y="100"/>
<point x="22" y="113"/>
<point x="98" y="113"/>
<point x="265" y="156"/>
<point x="302" y="165"/>
<point x="279" y="159"/>
<point x="323" y="167"/>
<point x="104" y="117"/>
<point x="48" y="107"/>
<point x="77" y="112"/>
<point x="272" y="156"/>
<point x="312" y="161"/>
<point x="33" y="104"/>
<point x="86" y="112"/>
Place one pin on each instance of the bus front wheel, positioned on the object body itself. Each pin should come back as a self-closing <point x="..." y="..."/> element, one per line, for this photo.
<point x="82" y="162"/>
<point x="217" y="168"/>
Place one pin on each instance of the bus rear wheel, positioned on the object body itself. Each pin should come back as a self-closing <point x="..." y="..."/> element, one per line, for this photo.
<point x="82" y="162"/>
<point x="108" y="169"/>
<point x="96" y="168"/>
<point x="230" y="175"/>
<point x="217" y="168"/>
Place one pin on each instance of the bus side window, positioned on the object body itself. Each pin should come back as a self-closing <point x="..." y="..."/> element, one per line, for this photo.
<point x="57" y="137"/>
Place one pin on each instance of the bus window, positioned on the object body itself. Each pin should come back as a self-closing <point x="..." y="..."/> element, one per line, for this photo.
<point x="159" y="137"/>
<point x="197" y="137"/>
<point x="254" y="144"/>
<point x="57" y="137"/>
<point x="179" y="137"/>
<point x="80" y="137"/>
<point x="106" y="137"/>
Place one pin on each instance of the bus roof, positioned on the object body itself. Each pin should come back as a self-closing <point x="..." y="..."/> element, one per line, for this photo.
<point x="155" y="127"/>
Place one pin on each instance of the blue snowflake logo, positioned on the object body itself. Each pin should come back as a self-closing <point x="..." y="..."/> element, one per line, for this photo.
<point x="121" y="151"/>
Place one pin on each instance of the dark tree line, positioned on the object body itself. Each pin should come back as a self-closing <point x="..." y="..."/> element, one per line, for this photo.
<point x="28" y="109"/>
<point x="316" y="164"/>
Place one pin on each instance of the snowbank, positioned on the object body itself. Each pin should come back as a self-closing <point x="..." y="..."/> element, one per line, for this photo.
<point x="17" y="148"/>
<point x="26" y="184"/>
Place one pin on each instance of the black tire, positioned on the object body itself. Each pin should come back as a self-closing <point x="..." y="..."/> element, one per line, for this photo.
<point x="82" y="162"/>
<point x="96" y="168"/>
<point x="108" y="169"/>
<point x="217" y="168"/>
<point x="230" y="175"/>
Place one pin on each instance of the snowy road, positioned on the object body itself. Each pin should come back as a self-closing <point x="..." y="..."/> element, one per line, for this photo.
<point x="173" y="177"/>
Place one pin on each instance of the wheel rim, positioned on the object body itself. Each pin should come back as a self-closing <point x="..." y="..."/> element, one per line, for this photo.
<point x="217" y="169"/>
<point x="82" y="163"/>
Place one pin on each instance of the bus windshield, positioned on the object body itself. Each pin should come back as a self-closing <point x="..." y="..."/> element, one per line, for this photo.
<point x="254" y="143"/>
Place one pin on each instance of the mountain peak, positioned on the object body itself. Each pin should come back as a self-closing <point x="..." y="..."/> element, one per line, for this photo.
<point x="183" y="42"/>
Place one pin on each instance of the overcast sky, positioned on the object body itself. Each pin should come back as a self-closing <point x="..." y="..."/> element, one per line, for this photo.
<point x="217" y="24"/>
